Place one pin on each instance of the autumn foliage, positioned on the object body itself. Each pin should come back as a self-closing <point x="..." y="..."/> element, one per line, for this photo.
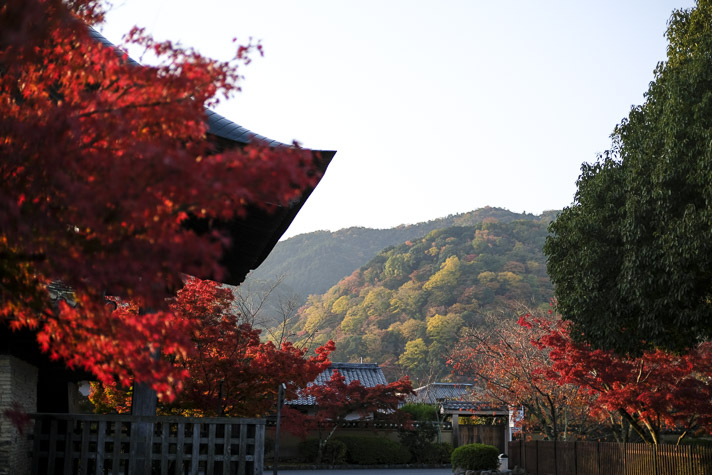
<point x="231" y="371"/>
<point x="336" y="401"/>
<point x="536" y="363"/>
<point x="408" y="306"/>
<point x="512" y="373"/>
<point x="655" y="391"/>
<point x="102" y="163"/>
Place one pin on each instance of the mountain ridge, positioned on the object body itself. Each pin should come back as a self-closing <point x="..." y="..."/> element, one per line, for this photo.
<point x="311" y="263"/>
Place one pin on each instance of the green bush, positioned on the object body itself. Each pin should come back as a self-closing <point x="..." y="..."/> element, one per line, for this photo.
<point x="420" y="411"/>
<point x="419" y="438"/>
<point x="374" y="450"/>
<point x="443" y="451"/>
<point x="334" y="452"/>
<point x="475" y="457"/>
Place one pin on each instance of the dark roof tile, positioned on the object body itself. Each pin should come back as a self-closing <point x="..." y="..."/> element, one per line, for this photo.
<point x="472" y="407"/>
<point x="369" y="374"/>
<point x="255" y="236"/>
<point x="436" y="392"/>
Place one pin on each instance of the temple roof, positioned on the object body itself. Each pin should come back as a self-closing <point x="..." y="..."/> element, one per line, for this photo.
<point x="437" y="392"/>
<point x="369" y="374"/>
<point x="252" y="237"/>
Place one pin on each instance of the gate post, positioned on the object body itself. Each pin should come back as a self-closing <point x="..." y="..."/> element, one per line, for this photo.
<point x="455" y="431"/>
<point x="143" y="403"/>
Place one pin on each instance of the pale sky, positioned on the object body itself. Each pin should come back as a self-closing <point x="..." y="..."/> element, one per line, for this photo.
<point x="434" y="108"/>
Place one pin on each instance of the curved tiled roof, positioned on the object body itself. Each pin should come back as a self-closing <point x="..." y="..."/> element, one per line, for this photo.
<point x="435" y="392"/>
<point x="369" y="374"/>
<point x="227" y="129"/>
<point x="254" y="237"/>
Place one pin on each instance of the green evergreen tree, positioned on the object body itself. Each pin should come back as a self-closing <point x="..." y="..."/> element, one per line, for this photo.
<point x="631" y="259"/>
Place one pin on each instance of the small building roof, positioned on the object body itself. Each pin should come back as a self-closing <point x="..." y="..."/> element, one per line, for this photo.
<point x="434" y="393"/>
<point x="369" y="374"/>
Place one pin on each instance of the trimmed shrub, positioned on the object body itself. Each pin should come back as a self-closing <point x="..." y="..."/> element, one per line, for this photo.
<point x="334" y="452"/>
<point x="419" y="441"/>
<point x="443" y="451"/>
<point x="419" y="438"/>
<point x="475" y="457"/>
<point x="374" y="450"/>
<point x="431" y="452"/>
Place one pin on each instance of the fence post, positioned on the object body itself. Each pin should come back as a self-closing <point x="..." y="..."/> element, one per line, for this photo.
<point x="536" y="445"/>
<point x="280" y="401"/>
<point x="143" y="403"/>
<point x="575" y="458"/>
<point x="598" y="458"/>
<point x="556" y="465"/>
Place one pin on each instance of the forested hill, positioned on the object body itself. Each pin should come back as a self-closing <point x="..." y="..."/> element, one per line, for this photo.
<point x="406" y="308"/>
<point x="311" y="263"/>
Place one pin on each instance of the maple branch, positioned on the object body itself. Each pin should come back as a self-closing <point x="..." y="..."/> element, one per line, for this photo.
<point x="636" y="427"/>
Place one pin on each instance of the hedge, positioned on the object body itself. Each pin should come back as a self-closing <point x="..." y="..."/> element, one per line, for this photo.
<point x="475" y="457"/>
<point x="334" y="452"/>
<point x="374" y="450"/>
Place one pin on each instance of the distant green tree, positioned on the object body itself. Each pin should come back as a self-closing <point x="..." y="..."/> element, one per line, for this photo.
<point x="415" y="356"/>
<point x="413" y="329"/>
<point x="443" y="330"/>
<point x="631" y="259"/>
<point x="353" y="321"/>
<point x="446" y="277"/>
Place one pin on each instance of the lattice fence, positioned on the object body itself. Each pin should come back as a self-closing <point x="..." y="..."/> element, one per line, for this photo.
<point x="113" y="444"/>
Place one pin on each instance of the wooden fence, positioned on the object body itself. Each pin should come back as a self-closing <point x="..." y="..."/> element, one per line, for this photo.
<point x="138" y="445"/>
<point x="483" y="434"/>
<point x="609" y="458"/>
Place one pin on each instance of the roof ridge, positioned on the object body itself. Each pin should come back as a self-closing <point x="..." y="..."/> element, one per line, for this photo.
<point x="218" y="124"/>
<point x="354" y="365"/>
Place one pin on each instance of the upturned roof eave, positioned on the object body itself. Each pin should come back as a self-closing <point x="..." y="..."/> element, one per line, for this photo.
<point x="253" y="237"/>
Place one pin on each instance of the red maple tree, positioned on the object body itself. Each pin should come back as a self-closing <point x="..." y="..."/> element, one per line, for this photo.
<point x="336" y="402"/>
<point x="231" y="371"/>
<point x="102" y="163"/>
<point x="651" y="392"/>
<point x="511" y="372"/>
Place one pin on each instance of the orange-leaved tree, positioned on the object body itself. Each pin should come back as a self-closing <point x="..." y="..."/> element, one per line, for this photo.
<point x="231" y="371"/>
<point x="501" y="360"/>
<point x="103" y="161"/>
